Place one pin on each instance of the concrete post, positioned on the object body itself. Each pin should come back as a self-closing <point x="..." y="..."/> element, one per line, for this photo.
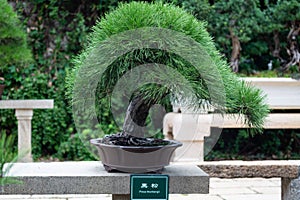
<point x="24" y="117"/>
<point x="286" y="188"/>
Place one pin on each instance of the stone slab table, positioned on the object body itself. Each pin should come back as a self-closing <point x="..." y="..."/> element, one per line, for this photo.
<point x="24" y="113"/>
<point x="89" y="177"/>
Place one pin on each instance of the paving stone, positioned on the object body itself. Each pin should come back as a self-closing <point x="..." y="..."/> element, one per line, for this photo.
<point x="277" y="182"/>
<point x="71" y="196"/>
<point x="13" y="197"/>
<point x="266" y="190"/>
<point x="220" y="180"/>
<point x="237" y="190"/>
<point x="91" y="198"/>
<point x="194" y="197"/>
<point x="252" y="197"/>
<point x="259" y="181"/>
<point x="244" y="183"/>
<point x="30" y="198"/>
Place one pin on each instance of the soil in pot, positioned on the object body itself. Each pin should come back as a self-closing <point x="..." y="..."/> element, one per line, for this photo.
<point x="124" y="139"/>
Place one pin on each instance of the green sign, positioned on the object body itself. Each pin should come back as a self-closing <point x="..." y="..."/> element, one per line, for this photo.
<point x="148" y="187"/>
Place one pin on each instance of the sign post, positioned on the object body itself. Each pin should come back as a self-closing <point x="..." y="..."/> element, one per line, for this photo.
<point x="148" y="187"/>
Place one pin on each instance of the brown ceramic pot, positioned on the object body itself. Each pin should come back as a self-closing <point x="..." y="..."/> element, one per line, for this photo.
<point x="135" y="159"/>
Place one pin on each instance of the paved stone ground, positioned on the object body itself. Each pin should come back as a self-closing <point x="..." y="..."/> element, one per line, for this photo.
<point x="220" y="189"/>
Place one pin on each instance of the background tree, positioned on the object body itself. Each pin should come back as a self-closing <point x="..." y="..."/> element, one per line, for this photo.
<point x="233" y="22"/>
<point x="284" y="18"/>
<point x="201" y="9"/>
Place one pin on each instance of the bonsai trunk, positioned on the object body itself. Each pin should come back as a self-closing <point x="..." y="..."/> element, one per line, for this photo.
<point x="136" y="115"/>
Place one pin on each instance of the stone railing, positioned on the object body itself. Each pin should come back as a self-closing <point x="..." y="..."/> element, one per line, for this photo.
<point x="24" y="113"/>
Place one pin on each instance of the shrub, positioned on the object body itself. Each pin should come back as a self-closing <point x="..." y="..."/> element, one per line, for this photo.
<point x="273" y="144"/>
<point x="7" y="150"/>
<point x="74" y="149"/>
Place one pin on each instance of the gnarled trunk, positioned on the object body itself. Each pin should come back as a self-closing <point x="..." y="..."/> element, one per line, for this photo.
<point x="293" y="49"/>
<point x="136" y="115"/>
<point x="235" y="53"/>
<point x="276" y="50"/>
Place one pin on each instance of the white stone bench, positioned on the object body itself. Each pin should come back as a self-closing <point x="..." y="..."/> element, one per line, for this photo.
<point x="24" y="113"/>
<point x="91" y="178"/>
<point x="190" y="129"/>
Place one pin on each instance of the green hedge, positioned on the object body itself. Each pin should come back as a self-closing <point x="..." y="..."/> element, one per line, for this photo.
<point x="238" y="144"/>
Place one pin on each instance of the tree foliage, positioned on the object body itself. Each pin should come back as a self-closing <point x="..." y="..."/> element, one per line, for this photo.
<point x="13" y="45"/>
<point x="252" y="33"/>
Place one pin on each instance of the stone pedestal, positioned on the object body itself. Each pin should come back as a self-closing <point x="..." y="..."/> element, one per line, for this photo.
<point x="24" y="113"/>
<point x="190" y="129"/>
<point x="24" y="135"/>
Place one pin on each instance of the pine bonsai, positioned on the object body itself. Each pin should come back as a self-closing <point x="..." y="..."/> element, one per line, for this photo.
<point x="99" y="67"/>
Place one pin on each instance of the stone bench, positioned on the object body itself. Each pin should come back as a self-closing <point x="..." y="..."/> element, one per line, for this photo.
<point x="24" y="113"/>
<point x="191" y="129"/>
<point x="89" y="177"/>
<point x="288" y="171"/>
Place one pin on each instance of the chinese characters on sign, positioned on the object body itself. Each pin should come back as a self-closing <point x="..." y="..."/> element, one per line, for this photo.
<point x="149" y="187"/>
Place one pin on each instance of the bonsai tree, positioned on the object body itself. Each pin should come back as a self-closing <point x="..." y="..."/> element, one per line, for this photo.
<point x="13" y="47"/>
<point x="136" y="34"/>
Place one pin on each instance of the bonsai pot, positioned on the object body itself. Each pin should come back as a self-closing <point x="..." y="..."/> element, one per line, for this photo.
<point x="135" y="159"/>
